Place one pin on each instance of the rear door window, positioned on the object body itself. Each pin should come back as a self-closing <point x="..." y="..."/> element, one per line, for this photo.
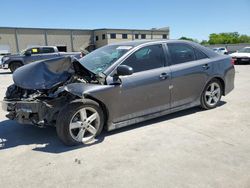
<point x="47" y="50"/>
<point x="199" y="54"/>
<point x="181" y="53"/>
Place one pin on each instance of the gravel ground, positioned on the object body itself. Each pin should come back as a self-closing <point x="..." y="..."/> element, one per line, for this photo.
<point x="191" y="148"/>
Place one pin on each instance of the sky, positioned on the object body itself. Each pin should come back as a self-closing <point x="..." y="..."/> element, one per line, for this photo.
<point x="190" y="18"/>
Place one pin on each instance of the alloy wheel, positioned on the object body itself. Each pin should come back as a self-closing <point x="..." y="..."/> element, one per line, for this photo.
<point x="213" y="94"/>
<point x="84" y="124"/>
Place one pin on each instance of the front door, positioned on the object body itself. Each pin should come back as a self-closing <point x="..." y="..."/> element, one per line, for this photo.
<point x="147" y="90"/>
<point x="35" y="55"/>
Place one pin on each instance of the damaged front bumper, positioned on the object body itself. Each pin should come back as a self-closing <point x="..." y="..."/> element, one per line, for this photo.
<point x="26" y="112"/>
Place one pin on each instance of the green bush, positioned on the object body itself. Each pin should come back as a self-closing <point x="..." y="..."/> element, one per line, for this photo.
<point x="228" y="38"/>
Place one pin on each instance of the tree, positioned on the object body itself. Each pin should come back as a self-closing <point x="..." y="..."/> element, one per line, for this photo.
<point x="228" y="38"/>
<point x="190" y="39"/>
<point x="244" y="39"/>
<point x="204" y="42"/>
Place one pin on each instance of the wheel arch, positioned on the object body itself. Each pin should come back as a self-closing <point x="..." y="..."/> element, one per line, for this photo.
<point x="15" y="61"/>
<point x="77" y="99"/>
<point x="214" y="78"/>
<point x="78" y="92"/>
<point x="222" y="82"/>
<point x="102" y="105"/>
<point x="220" y="79"/>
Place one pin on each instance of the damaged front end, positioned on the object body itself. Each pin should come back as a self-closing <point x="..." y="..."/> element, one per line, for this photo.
<point x="37" y="94"/>
<point x="33" y="106"/>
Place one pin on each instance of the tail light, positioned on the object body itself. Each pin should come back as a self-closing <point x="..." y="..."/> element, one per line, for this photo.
<point x="232" y="61"/>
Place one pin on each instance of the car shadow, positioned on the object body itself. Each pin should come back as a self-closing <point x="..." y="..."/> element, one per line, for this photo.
<point x="45" y="139"/>
<point x="13" y="134"/>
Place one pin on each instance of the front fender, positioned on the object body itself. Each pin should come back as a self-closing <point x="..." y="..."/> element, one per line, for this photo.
<point x="105" y="95"/>
<point x="82" y="89"/>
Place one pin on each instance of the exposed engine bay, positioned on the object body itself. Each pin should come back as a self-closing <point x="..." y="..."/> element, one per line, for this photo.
<point x="40" y="89"/>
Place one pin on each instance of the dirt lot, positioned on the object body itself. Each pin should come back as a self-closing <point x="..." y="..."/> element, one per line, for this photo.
<point x="192" y="148"/>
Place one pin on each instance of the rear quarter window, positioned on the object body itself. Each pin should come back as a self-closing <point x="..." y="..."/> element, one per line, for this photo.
<point x="199" y="54"/>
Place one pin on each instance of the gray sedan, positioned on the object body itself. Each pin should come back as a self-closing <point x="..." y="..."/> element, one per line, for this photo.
<point x="118" y="85"/>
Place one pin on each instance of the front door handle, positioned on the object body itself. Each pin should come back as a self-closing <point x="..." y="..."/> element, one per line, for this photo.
<point x="164" y="76"/>
<point x="206" y="66"/>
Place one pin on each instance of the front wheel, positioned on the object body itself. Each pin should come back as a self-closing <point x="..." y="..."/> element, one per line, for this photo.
<point x="79" y="122"/>
<point x="211" y="95"/>
<point x="14" y="66"/>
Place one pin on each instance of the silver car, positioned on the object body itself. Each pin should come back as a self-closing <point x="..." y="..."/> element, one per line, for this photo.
<point x="116" y="86"/>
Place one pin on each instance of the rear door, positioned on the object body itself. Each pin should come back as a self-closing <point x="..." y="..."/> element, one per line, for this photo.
<point x="146" y="91"/>
<point x="48" y="53"/>
<point x="190" y="70"/>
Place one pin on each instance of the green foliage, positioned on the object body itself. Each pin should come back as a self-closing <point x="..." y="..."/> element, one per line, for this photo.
<point x="190" y="39"/>
<point x="222" y="38"/>
<point x="204" y="42"/>
<point x="244" y="39"/>
<point x="228" y="38"/>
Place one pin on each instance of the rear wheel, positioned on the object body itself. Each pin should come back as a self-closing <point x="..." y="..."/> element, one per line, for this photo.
<point x="79" y="122"/>
<point x="211" y="95"/>
<point x="14" y="66"/>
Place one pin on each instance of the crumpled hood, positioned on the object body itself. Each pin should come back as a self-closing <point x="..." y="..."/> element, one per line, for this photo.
<point x="44" y="74"/>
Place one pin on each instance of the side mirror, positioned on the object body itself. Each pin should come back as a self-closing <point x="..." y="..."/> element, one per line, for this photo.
<point x="124" y="70"/>
<point x="27" y="53"/>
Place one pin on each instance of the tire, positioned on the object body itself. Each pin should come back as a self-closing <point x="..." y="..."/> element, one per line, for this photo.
<point x="211" y="95"/>
<point x="74" y="125"/>
<point x="14" y="66"/>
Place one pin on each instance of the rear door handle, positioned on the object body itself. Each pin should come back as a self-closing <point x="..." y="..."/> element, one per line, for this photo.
<point x="164" y="76"/>
<point x="206" y="66"/>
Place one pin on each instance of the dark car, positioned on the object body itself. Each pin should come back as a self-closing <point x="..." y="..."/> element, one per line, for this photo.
<point x="33" y="54"/>
<point x="117" y="85"/>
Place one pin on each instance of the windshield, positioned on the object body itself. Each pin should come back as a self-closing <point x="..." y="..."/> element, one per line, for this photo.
<point x="244" y="50"/>
<point x="23" y="51"/>
<point x="102" y="58"/>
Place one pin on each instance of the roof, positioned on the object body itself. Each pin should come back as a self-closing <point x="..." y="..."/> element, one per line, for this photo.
<point x="139" y="42"/>
<point x="72" y="29"/>
<point x="131" y="43"/>
<point x="61" y="29"/>
<point x="153" y="29"/>
<point x="38" y="46"/>
<point x="136" y="43"/>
